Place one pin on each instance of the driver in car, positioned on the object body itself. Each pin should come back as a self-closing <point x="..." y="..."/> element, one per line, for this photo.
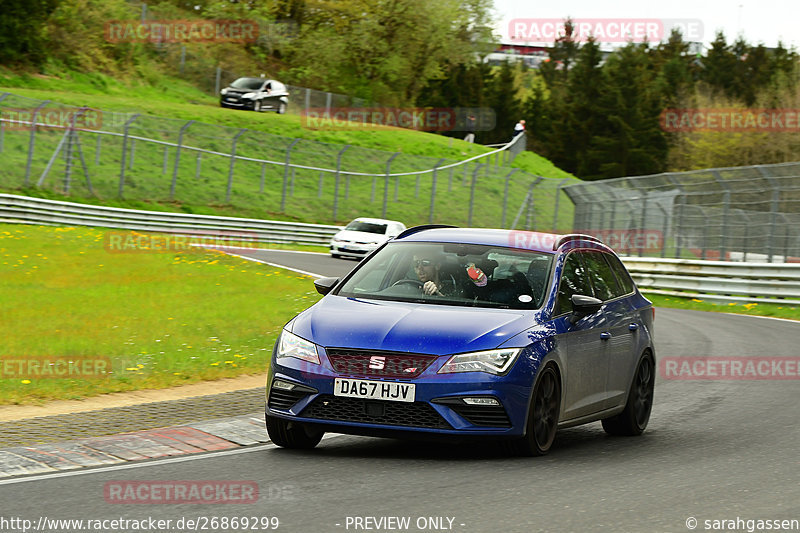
<point x="429" y="271"/>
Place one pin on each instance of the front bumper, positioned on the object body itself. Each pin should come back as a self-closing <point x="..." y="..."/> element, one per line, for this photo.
<point x="438" y="408"/>
<point x="237" y="103"/>
<point x="352" y="249"/>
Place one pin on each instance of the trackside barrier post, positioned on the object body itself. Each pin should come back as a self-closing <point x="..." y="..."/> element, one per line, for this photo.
<point x="433" y="189"/>
<point x="472" y="193"/>
<point x="32" y="141"/>
<point x="233" y="161"/>
<point x="336" y="182"/>
<point x="177" y="158"/>
<point x="386" y="182"/>
<point x="286" y="173"/>
<point x="125" y="129"/>
<point x="505" y="197"/>
<point x="558" y="198"/>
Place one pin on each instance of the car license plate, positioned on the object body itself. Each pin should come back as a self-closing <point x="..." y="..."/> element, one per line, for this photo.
<point x="374" y="390"/>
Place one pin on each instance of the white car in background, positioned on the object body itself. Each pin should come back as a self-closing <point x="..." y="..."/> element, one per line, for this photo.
<point x="363" y="235"/>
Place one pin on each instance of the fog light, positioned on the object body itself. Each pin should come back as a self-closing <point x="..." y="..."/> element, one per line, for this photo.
<point x="481" y="401"/>
<point x="282" y="385"/>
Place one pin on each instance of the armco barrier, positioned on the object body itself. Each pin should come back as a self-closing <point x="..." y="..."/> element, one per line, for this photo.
<point x="718" y="280"/>
<point x="15" y="208"/>
<point x="707" y="280"/>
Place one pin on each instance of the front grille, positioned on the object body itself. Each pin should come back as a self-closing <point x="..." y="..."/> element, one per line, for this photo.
<point x="380" y="364"/>
<point x="417" y="414"/>
<point x="491" y="416"/>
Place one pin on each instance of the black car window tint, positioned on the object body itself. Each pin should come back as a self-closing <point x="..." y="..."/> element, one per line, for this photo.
<point x="574" y="280"/>
<point x="602" y="278"/>
<point x="623" y="277"/>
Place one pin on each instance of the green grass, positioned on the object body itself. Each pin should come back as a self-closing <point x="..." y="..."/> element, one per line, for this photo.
<point x="757" y="309"/>
<point x="309" y="195"/>
<point x="163" y="319"/>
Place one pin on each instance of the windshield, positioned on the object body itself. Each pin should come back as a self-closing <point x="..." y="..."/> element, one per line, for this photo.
<point x="252" y="84"/>
<point x="453" y="274"/>
<point x="367" y="227"/>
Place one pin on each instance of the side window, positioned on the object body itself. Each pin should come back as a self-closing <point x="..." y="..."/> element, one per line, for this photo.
<point x="621" y="272"/>
<point x="574" y="280"/>
<point x="603" y="279"/>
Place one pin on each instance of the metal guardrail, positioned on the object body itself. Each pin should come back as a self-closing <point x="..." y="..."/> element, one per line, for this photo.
<point x="708" y="280"/>
<point x="25" y="209"/>
<point x="722" y="281"/>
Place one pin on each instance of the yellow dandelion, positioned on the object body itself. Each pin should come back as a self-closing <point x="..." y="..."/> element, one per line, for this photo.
<point x="26" y="382"/>
<point x="215" y="364"/>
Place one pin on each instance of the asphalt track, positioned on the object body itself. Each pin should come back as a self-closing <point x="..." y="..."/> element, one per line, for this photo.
<point x="714" y="450"/>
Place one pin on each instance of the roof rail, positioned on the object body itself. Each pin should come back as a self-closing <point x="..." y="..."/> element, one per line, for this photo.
<point x="417" y="229"/>
<point x="575" y="237"/>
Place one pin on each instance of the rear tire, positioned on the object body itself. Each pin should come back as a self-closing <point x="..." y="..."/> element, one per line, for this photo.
<point x="633" y="420"/>
<point x="542" y="424"/>
<point x="293" y="435"/>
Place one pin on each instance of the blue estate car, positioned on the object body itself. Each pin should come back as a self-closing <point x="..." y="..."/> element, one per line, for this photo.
<point x="457" y="332"/>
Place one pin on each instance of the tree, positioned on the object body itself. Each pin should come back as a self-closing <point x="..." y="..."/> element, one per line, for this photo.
<point x="22" y="26"/>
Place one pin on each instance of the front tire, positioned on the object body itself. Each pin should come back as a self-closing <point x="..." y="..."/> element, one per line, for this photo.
<point x="292" y="435"/>
<point x="257" y="106"/>
<point x="281" y="108"/>
<point x="633" y="419"/>
<point x="542" y="424"/>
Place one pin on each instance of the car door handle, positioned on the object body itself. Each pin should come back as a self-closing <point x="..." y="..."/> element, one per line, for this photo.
<point x="605" y="335"/>
<point x="633" y="327"/>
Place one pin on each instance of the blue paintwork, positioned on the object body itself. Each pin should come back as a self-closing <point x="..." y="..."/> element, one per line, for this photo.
<point x="341" y="322"/>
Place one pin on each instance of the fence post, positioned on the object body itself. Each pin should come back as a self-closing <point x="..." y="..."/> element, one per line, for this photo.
<point x="319" y="189"/>
<point x="165" y="161"/>
<point x="336" y="182"/>
<point x="217" y="81"/>
<point x="505" y="197"/>
<point x="643" y="222"/>
<point x="263" y="177"/>
<point x="32" y="142"/>
<point x="177" y="157"/>
<point x="183" y="59"/>
<point x="559" y="187"/>
<point x="286" y="173"/>
<point x="328" y="102"/>
<point x="233" y="161"/>
<point x="125" y="128"/>
<point x="386" y="182"/>
<point x="472" y="193"/>
<point x="726" y="198"/>
<point x="2" y="124"/>
<point x="197" y="165"/>
<point x="308" y="99"/>
<point x="97" y="149"/>
<point x="773" y="211"/>
<point x="531" y="211"/>
<point x="433" y="189"/>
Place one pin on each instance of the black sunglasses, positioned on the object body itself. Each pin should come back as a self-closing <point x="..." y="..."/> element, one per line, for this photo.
<point x="422" y="262"/>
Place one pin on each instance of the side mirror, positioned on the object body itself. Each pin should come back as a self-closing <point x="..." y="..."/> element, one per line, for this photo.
<point x="324" y="285"/>
<point x="583" y="306"/>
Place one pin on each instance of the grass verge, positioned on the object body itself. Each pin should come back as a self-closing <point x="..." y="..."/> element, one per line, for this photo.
<point x="756" y="309"/>
<point x="162" y="319"/>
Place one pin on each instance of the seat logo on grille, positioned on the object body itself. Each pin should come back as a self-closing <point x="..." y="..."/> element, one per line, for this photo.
<point x="377" y="362"/>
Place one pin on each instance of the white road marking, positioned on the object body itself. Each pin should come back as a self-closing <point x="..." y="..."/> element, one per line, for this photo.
<point x="276" y="265"/>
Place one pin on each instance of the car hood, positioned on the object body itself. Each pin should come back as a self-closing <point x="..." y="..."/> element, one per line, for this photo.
<point x="336" y="321"/>
<point x="360" y="236"/>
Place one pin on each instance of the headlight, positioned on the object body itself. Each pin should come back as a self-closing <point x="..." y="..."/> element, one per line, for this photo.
<point x="248" y="95"/>
<point x="223" y="92"/>
<point x="493" y="361"/>
<point x="291" y="345"/>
